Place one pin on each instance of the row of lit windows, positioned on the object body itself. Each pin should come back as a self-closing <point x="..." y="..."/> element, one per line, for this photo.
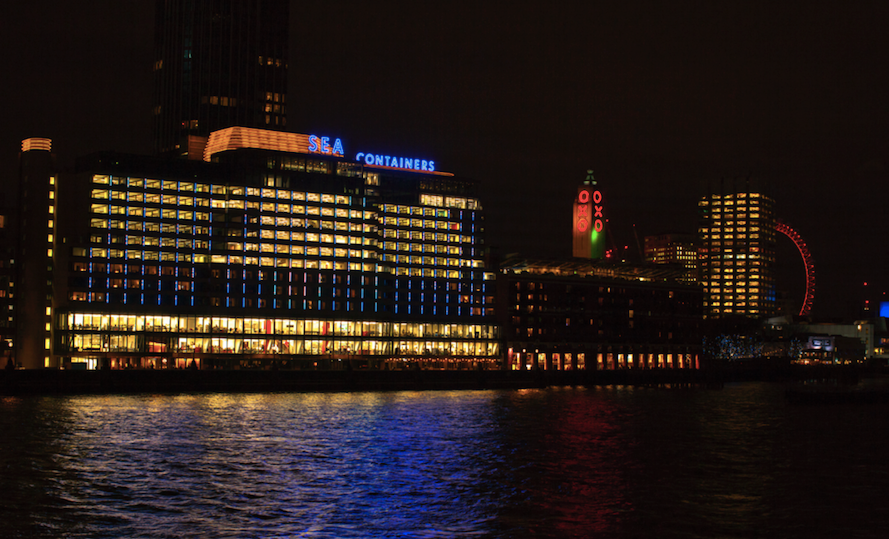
<point x="147" y="226"/>
<point x="716" y="197"/>
<point x="280" y="248"/>
<point x="137" y="291"/>
<point x="100" y="267"/>
<point x="717" y="219"/>
<point x="272" y="326"/>
<point x="420" y="223"/>
<point x="188" y="243"/>
<point x="230" y="190"/>
<point x="742" y="244"/>
<point x="752" y="286"/>
<point x="286" y="235"/>
<point x="128" y="343"/>
<point x="422" y="248"/>
<point x="228" y="274"/>
<point x="730" y="236"/>
<point x="326" y="252"/>
<point x="389" y="233"/>
<point x="199" y="244"/>
<point x="443" y="201"/>
<point x="154" y="241"/>
<point x="754" y="214"/>
<point x="301" y="164"/>
<point x="268" y="207"/>
<point x="140" y="254"/>
<point x="339" y="284"/>
<point x="144" y="183"/>
<point x="715" y="273"/>
<point x="154" y="213"/>
<point x="741" y="289"/>
<point x="152" y="297"/>
<point x="300" y="250"/>
<point x="734" y="280"/>
<point x="431" y="261"/>
<point x="738" y="260"/>
<point x="166" y="256"/>
<point x="313" y="223"/>
<point x="225" y="101"/>
<point x="740" y="208"/>
<point x="269" y="221"/>
<point x="715" y="232"/>
<point x="178" y="228"/>
<point x="47" y="344"/>
<point x="730" y="229"/>
<point x="187" y="215"/>
<point x="741" y="224"/>
<point x="727" y="227"/>
<point x="738" y="212"/>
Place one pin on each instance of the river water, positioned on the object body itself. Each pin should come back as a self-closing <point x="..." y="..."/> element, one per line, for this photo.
<point x="560" y="462"/>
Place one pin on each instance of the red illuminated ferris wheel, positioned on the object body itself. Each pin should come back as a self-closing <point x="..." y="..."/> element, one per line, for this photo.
<point x="807" y="261"/>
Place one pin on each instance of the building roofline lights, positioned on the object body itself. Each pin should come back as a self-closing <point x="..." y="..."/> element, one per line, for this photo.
<point x="234" y="138"/>
<point x="44" y="144"/>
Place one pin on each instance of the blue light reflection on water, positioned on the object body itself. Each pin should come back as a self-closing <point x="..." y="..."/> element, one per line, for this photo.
<point x="611" y="462"/>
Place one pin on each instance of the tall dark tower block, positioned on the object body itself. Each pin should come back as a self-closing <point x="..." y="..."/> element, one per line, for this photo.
<point x="218" y="63"/>
<point x="34" y="240"/>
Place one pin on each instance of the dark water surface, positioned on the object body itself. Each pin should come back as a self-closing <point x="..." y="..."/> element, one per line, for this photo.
<point x="570" y="462"/>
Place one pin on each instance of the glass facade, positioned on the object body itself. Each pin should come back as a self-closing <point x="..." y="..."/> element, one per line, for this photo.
<point x="218" y="63"/>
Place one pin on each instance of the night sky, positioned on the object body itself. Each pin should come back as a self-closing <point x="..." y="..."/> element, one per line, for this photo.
<point x="655" y="97"/>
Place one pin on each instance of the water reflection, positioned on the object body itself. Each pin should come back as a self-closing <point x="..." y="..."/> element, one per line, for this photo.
<point x="565" y="455"/>
<point x="611" y="462"/>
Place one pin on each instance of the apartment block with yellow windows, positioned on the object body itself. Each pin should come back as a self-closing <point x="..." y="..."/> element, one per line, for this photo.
<point x="737" y="230"/>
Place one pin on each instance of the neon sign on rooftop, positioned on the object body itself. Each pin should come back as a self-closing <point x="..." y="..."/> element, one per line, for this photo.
<point x="233" y="138"/>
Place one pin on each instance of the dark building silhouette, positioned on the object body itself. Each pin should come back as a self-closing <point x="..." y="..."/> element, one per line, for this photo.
<point x="9" y="222"/>
<point x="218" y="63"/>
<point x="33" y="235"/>
<point x="595" y="315"/>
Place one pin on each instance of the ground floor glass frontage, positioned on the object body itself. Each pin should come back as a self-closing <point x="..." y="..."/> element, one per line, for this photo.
<point x="603" y="359"/>
<point x="92" y="340"/>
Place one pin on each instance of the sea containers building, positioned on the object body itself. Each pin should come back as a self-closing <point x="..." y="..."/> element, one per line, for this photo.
<point x="275" y="251"/>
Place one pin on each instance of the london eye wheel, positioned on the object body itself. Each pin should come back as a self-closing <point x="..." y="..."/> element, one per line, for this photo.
<point x="785" y="229"/>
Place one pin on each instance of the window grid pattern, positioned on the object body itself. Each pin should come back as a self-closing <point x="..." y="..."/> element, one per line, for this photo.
<point x="737" y="265"/>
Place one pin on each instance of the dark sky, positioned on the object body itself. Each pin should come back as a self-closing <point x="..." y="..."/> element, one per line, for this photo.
<point x="655" y="97"/>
